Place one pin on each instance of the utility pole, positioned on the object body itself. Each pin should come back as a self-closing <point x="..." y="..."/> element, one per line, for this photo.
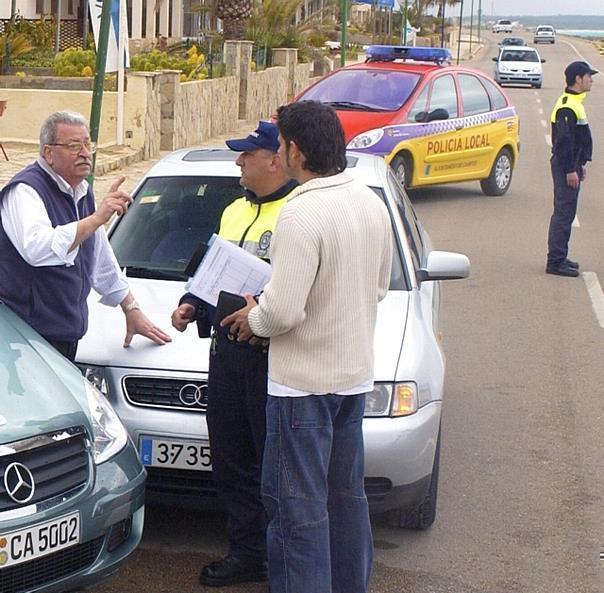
<point x="405" y="23"/>
<point x="58" y="30"/>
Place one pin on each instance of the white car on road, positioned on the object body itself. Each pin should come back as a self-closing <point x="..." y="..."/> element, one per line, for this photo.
<point x="160" y="392"/>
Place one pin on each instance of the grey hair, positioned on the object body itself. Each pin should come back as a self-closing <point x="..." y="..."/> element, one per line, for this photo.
<point x="48" y="131"/>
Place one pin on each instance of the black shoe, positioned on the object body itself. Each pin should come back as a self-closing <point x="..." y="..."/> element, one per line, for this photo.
<point x="232" y="570"/>
<point x="571" y="264"/>
<point x="562" y="269"/>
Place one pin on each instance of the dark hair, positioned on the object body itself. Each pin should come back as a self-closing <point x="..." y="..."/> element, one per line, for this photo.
<point x="317" y="132"/>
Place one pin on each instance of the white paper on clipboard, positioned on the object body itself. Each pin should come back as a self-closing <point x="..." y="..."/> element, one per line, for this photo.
<point x="225" y="266"/>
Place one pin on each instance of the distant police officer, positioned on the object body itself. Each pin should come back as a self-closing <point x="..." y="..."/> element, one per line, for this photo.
<point x="571" y="149"/>
<point x="237" y="382"/>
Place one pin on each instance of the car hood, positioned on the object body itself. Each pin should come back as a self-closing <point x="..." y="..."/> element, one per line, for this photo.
<point x="102" y="344"/>
<point x="355" y="122"/>
<point x="40" y="391"/>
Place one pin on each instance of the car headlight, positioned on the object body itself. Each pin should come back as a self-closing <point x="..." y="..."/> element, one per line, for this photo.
<point x="392" y="399"/>
<point x="96" y="375"/>
<point x="366" y="139"/>
<point x="503" y="68"/>
<point x="110" y="436"/>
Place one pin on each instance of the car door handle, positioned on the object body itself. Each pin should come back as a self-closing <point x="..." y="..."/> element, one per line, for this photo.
<point x="459" y="127"/>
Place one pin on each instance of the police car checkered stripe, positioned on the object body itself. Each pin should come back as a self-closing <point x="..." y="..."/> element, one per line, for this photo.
<point x="393" y="135"/>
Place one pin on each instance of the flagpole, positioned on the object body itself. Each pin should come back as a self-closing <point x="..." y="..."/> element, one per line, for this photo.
<point x="99" y="77"/>
<point x="121" y="45"/>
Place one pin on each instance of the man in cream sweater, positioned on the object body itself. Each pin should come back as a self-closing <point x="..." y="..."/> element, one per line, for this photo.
<point x="331" y="257"/>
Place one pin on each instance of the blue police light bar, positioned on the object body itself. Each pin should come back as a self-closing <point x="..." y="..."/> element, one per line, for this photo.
<point x="389" y="53"/>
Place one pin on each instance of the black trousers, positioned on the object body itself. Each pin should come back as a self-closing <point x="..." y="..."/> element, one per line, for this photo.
<point x="237" y="426"/>
<point x="565" y="209"/>
<point x="67" y="349"/>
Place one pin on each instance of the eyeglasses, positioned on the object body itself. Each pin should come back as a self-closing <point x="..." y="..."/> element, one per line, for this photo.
<point x="76" y="147"/>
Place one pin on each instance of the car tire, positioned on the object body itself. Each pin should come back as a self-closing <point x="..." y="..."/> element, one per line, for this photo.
<point x="403" y="169"/>
<point x="537" y="86"/>
<point x="423" y="515"/>
<point x="500" y="177"/>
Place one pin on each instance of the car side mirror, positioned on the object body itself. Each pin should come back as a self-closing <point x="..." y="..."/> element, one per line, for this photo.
<point x="438" y="114"/>
<point x="542" y="61"/>
<point x="444" y="265"/>
<point x="495" y="59"/>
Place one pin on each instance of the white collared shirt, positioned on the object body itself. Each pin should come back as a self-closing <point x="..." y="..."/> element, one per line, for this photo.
<point x="27" y="224"/>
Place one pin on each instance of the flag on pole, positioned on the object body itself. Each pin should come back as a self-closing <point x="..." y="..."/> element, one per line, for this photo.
<point x="113" y="52"/>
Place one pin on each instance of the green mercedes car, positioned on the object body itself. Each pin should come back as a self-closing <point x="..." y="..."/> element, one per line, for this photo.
<point x="71" y="484"/>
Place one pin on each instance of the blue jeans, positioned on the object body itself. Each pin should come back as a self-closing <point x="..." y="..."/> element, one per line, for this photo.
<point x="319" y="535"/>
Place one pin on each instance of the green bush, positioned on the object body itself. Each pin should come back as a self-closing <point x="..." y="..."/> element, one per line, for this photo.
<point x="40" y="33"/>
<point x="75" y="62"/>
<point x="193" y="67"/>
<point x="39" y="57"/>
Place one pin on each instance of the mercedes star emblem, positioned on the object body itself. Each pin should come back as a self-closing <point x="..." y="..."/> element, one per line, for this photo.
<point x="19" y="483"/>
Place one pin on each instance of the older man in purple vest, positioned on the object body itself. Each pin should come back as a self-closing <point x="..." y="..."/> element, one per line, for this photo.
<point x="53" y="245"/>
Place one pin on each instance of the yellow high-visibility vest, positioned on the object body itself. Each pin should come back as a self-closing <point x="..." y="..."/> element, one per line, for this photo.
<point x="574" y="103"/>
<point x="250" y="225"/>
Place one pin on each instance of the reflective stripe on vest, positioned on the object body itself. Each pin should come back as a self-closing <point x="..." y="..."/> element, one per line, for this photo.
<point x="574" y="103"/>
<point x="251" y="225"/>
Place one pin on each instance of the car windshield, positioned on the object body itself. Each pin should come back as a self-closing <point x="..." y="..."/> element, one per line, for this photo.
<point x="519" y="55"/>
<point x="171" y="216"/>
<point x="364" y="90"/>
<point x="512" y="41"/>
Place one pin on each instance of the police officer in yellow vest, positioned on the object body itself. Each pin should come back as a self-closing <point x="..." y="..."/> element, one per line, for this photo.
<point x="237" y="378"/>
<point x="571" y="149"/>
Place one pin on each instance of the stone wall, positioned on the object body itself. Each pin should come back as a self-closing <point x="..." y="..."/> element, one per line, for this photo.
<point x="267" y="90"/>
<point x="161" y="113"/>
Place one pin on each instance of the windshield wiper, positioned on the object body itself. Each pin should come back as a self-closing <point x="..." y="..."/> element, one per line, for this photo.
<point x="352" y="105"/>
<point x="140" y="272"/>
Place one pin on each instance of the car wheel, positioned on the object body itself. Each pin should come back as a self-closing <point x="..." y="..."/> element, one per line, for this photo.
<point x="537" y="86"/>
<point x="500" y="177"/>
<point x="423" y="515"/>
<point x="403" y="169"/>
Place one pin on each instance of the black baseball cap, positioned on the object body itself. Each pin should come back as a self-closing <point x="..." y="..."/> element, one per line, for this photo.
<point x="575" y="69"/>
<point x="265" y="136"/>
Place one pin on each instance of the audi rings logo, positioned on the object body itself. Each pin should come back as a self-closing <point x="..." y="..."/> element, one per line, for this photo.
<point x="192" y="395"/>
<point x="19" y="483"/>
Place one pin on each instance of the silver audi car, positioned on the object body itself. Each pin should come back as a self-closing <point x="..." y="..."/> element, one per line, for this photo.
<point x="160" y="393"/>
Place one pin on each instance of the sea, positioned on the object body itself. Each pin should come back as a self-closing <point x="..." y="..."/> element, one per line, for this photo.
<point x="584" y="33"/>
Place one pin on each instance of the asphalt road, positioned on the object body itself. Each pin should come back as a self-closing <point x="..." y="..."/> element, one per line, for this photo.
<point x="520" y="503"/>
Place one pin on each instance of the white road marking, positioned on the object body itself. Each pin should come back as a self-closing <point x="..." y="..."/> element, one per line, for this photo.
<point x="594" y="289"/>
<point x="575" y="49"/>
<point x="576" y="222"/>
<point x="548" y="139"/>
<point x="540" y="110"/>
<point x="538" y="99"/>
<point x="544" y="123"/>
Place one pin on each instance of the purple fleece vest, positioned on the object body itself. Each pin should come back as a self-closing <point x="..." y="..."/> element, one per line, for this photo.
<point x="52" y="299"/>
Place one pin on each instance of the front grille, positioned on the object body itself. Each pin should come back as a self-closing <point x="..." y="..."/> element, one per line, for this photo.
<point x="58" y="462"/>
<point x="35" y="573"/>
<point x="180" y="481"/>
<point x="159" y="392"/>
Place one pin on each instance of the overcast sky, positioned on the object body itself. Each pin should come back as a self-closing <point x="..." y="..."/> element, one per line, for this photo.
<point x="535" y="7"/>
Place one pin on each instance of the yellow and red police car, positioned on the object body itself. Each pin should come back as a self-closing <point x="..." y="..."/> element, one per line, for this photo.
<point x="431" y="121"/>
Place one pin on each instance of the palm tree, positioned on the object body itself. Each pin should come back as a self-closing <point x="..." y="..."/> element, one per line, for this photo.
<point x="235" y="15"/>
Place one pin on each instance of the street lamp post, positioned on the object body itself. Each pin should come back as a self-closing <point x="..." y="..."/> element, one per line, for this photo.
<point x="344" y="19"/>
<point x="405" y="23"/>
<point x="442" y="26"/>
